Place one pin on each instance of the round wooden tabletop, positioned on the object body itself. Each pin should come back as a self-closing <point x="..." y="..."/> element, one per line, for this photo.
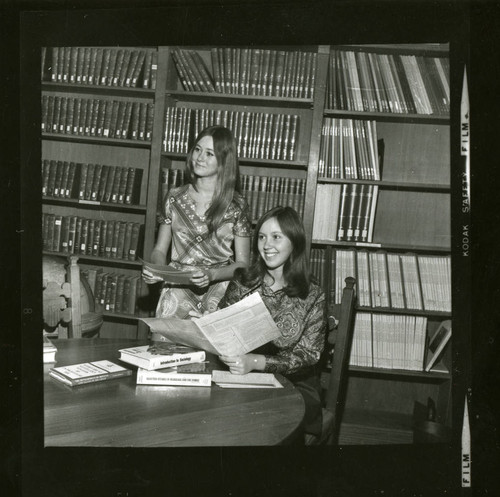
<point x="119" y="413"/>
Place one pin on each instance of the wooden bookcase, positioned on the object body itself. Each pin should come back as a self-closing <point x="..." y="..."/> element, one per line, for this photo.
<point x="412" y="216"/>
<point x="412" y="212"/>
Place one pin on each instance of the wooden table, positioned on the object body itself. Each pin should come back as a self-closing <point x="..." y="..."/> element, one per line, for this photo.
<point x="119" y="413"/>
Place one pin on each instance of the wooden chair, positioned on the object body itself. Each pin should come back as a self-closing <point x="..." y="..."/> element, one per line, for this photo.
<point x="79" y="311"/>
<point x="340" y="337"/>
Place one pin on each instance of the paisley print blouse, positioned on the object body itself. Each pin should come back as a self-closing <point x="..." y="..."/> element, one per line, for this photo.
<point x="301" y="321"/>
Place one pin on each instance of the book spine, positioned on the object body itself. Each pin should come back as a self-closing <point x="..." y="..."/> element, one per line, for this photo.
<point x="180" y="379"/>
<point x="164" y="362"/>
<point x="96" y="238"/>
<point x="129" y="188"/>
<point x="134" y="242"/>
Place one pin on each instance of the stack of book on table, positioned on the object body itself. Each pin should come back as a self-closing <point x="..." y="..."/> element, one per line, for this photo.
<point x="168" y="364"/>
<point x="181" y="358"/>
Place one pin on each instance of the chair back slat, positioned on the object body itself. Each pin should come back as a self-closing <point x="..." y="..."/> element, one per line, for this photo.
<point x="340" y="361"/>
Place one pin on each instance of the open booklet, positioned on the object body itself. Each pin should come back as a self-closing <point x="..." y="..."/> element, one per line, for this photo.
<point x="225" y="379"/>
<point x="166" y="272"/>
<point x="235" y="330"/>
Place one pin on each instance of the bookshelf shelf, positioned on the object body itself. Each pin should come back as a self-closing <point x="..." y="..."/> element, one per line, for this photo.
<point x="104" y="261"/>
<point x="238" y="99"/>
<point x="244" y="160"/>
<point x="143" y="93"/>
<point x="390" y="185"/>
<point x="119" y="316"/>
<point x="410" y="312"/>
<point x="96" y="140"/>
<point x="405" y="373"/>
<point x="426" y="49"/>
<point x="384" y="246"/>
<point x="388" y="117"/>
<point x="94" y="205"/>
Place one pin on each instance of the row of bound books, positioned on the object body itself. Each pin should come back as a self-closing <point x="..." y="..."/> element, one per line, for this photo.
<point x="122" y="119"/>
<point x="389" y="341"/>
<point x="349" y="149"/>
<point x="265" y="192"/>
<point x="125" y="67"/>
<point x="94" y="182"/>
<point x="248" y="71"/>
<point x="96" y="237"/>
<point x="396" y="83"/>
<point x="394" y="281"/>
<point x="345" y="212"/>
<point x="117" y="292"/>
<point x="259" y="135"/>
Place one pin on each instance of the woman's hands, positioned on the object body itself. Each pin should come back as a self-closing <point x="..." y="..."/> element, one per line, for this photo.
<point x="149" y="278"/>
<point x="242" y="364"/>
<point x="201" y="278"/>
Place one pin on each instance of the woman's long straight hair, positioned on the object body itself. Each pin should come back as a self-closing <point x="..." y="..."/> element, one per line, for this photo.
<point x="228" y="176"/>
<point x="296" y="268"/>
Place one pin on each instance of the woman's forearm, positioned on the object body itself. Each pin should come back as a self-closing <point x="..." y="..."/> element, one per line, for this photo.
<point x="158" y="256"/>
<point x="225" y="273"/>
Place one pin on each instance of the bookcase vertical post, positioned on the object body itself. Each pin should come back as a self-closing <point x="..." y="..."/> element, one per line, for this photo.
<point x="317" y="122"/>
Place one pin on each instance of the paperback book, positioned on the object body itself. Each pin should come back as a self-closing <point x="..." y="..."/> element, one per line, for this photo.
<point x="88" y="372"/>
<point x="226" y="379"/>
<point x="162" y="355"/>
<point x="49" y="350"/>
<point x="196" y="375"/>
<point x="167" y="273"/>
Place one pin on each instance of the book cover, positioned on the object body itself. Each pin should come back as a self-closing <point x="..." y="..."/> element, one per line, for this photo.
<point x="49" y="350"/>
<point x="134" y="121"/>
<point x="167" y="273"/>
<point x="127" y="115"/>
<point x="122" y="187"/>
<point x="129" y="63"/>
<point x="120" y="243"/>
<point x="173" y="376"/>
<point x="96" y="238"/>
<point x="134" y="242"/>
<point x="120" y="282"/>
<point x="61" y="126"/>
<point x="137" y="68"/>
<point x="154" y="69"/>
<point x="225" y="379"/>
<point x="146" y="77"/>
<point x="65" y="234"/>
<point x="152" y="357"/>
<point x="89" y="372"/>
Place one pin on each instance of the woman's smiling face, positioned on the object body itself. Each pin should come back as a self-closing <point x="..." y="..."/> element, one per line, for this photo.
<point x="274" y="246"/>
<point x="203" y="158"/>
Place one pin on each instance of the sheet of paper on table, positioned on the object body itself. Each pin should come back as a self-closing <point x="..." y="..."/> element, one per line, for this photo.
<point x="235" y="330"/>
<point x="226" y="379"/>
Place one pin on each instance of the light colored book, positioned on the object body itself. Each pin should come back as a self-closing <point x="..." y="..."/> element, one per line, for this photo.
<point x="173" y="376"/>
<point x="437" y="344"/>
<point x="167" y="273"/>
<point x="148" y="358"/>
<point x="88" y="372"/>
<point x="226" y="379"/>
<point x="49" y="350"/>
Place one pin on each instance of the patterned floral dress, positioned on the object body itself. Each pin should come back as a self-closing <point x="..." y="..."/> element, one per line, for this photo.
<point x="193" y="247"/>
<point x="296" y="353"/>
